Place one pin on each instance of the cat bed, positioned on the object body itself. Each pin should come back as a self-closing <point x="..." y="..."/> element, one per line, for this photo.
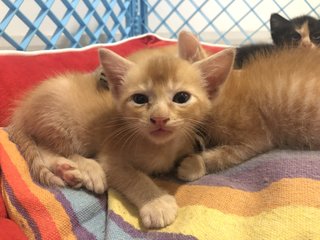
<point x="273" y="196"/>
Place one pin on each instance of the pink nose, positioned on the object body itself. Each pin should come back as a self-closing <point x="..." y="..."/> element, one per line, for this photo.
<point x="159" y="121"/>
<point x="306" y="44"/>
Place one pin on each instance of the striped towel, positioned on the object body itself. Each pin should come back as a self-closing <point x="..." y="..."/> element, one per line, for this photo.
<point x="44" y="213"/>
<point x="273" y="196"/>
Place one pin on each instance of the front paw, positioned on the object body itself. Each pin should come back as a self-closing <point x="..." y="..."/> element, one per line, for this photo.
<point x="192" y="168"/>
<point x="159" y="212"/>
<point x="94" y="178"/>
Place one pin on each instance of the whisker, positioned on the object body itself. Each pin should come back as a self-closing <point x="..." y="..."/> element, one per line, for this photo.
<point x="130" y="139"/>
<point x="117" y="135"/>
<point x="188" y="135"/>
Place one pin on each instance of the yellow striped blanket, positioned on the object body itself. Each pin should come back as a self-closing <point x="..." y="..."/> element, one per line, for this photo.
<point x="273" y="196"/>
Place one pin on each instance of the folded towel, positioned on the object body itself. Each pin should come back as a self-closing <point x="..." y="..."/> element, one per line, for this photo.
<point x="9" y="230"/>
<point x="273" y="196"/>
<point x="47" y="213"/>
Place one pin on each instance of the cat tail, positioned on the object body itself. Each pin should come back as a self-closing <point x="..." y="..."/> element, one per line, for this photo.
<point x="39" y="169"/>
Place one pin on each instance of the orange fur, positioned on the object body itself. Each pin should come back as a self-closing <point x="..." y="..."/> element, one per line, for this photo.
<point x="132" y="150"/>
<point x="56" y="121"/>
<point x="61" y="123"/>
<point x="272" y="103"/>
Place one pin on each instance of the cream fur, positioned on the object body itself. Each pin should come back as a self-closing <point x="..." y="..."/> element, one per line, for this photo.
<point x="272" y="103"/>
<point x="131" y="152"/>
<point x="55" y="122"/>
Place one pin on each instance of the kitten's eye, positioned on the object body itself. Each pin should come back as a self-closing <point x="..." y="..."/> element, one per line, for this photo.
<point x="295" y="36"/>
<point x="140" y="98"/>
<point x="316" y="36"/>
<point x="181" y="97"/>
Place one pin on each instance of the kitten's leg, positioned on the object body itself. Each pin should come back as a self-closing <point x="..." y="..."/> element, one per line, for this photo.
<point x="157" y="208"/>
<point x="38" y="159"/>
<point x="197" y="165"/>
<point x="93" y="176"/>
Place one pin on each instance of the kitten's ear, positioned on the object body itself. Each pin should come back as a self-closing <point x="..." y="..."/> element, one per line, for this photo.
<point x="115" y="68"/>
<point x="216" y="68"/>
<point x="277" y="21"/>
<point x="190" y="48"/>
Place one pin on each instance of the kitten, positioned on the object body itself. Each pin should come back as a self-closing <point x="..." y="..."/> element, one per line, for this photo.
<point x="272" y="103"/>
<point x="53" y="125"/>
<point x="303" y="31"/>
<point x="57" y="130"/>
<point x="161" y="99"/>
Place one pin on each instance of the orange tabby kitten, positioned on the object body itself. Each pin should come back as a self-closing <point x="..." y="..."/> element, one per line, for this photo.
<point x="273" y="103"/>
<point x="161" y="99"/>
<point x="58" y="124"/>
<point x="54" y="128"/>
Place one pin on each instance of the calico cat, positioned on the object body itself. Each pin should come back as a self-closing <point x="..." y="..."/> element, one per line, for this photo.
<point x="272" y="103"/>
<point x="54" y="127"/>
<point x="303" y="31"/>
<point x="161" y="99"/>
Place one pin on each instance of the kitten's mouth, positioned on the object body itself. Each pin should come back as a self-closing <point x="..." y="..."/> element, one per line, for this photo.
<point x="160" y="132"/>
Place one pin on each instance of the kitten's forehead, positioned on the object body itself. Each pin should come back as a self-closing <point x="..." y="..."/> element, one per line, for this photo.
<point x="299" y="21"/>
<point x="166" y="70"/>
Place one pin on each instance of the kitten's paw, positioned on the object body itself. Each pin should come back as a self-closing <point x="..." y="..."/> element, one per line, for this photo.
<point x="48" y="178"/>
<point x="69" y="172"/>
<point x="94" y="178"/>
<point x="192" y="168"/>
<point x="159" y="212"/>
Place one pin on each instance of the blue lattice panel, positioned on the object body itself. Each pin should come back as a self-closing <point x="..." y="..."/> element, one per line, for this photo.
<point x="50" y="24"/>
<point x="222" y="21"/>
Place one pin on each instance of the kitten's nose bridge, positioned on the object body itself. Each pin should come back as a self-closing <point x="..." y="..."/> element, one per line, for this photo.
<point x="159" y="121"/>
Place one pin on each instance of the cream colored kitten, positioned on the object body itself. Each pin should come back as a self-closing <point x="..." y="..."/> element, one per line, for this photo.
<point x="54" y="127"/>
<point x="58" y="124"/>
<point x="161" y="100"/>
<point x="273" y="103"/>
